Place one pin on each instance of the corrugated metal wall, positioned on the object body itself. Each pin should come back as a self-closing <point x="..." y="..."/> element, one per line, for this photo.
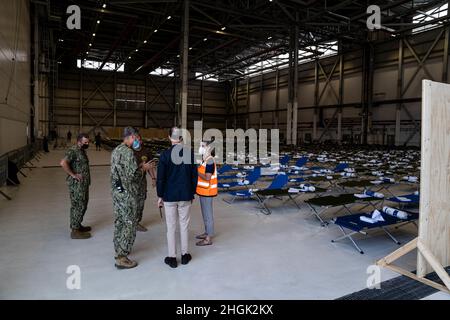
<point x="15" y="79"/>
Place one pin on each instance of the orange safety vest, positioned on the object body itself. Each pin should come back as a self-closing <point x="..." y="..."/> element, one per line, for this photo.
<point x="207" y="188"/>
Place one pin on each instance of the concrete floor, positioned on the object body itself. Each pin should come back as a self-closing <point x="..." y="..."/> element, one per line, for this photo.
<point x="286" y="255"/>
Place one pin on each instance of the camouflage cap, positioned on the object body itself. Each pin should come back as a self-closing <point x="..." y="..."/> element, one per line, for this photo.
<point x="129" y="131"/>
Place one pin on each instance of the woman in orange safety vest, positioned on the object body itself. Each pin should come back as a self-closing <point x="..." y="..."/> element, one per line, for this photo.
<point x="207" y="190"/>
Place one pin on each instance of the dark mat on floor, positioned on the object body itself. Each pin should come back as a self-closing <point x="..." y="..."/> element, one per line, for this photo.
<point x="399" y="288"/>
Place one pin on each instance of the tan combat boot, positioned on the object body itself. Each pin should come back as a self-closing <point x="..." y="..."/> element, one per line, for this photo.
<point x="84" y="228"/>
<point x="77" y="234"/>
<point x="123" y="262"/>
<point x="141" y="228"/>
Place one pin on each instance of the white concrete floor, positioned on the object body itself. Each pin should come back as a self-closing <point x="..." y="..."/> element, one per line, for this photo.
<point x="286" y="255"/>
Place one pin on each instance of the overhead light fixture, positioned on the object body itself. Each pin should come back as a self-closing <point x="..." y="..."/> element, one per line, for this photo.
<point x="168" y="61"/>
<point x="129" y="57"/>
<point x="59" y="62"/>
<point x="98" y="21"/>
<point x="104" y="6"/>
<point x="156" y="30"/>
<point x="93" y="34"/>
<point x="87" y="52"/>
<point x="136" y="50"/>
<point x="61" y="40"/>
<point x="223" y="28"/>
<point x="145" y="41"/>
<point x="178" y="55"/>
<point x="190" y="48"/>
<point x="205" y="39"/>
<point x="90" y="44"/>
<point x="169" y="17"/>
<point x="269" y="38"/>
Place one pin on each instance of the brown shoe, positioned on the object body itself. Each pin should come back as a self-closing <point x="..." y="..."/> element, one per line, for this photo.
<point x="125" y="263"/>
<point x="77" y="234"/>
<point x="204" y="242"/>
<point x="141" y="228"/>
<point x="84" y="229"/>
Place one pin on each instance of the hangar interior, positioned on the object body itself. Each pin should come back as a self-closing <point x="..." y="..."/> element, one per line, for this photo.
<point x="336" y="90"/>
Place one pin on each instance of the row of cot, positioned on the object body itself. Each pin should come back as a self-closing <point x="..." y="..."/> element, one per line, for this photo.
<point x="15" y="161"/>
<point x="298" y="179"/>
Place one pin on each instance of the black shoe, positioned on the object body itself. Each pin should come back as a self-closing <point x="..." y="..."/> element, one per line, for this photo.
<point x="172" y="262"/>
<point x="84" y="229"/>
<point x="185" y="258"/>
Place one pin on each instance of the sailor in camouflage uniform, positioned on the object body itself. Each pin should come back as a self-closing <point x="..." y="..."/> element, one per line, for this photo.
<point x="143" y="155"/>
<point x="76" y="165"/>
<point x="126" y="177"/>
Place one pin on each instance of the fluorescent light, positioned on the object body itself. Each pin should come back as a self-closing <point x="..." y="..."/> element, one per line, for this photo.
<point x="269" y="38"/>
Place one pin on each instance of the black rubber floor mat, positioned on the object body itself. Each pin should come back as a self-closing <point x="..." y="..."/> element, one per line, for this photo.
<point x="399" y="288"/>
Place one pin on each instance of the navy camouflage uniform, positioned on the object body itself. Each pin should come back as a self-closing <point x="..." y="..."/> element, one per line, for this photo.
<point x="79" y="190"/>
<point x="124" y="169"/>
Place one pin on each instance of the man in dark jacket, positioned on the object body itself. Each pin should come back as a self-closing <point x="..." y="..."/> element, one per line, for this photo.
<point x="176" y="184"/>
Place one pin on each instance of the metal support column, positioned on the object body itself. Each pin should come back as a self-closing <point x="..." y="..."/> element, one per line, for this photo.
<point x="399" y="93"/>
<point x="290" y="93"/>
<point x="184" y="68"/>
<point x="37" y="122"/>
<point x="316" y="99"/>
<point x="81" y="98"/>
<point x="261" y="88"/>
<point x="145" y="103"/>
<point x="295" y="86"/>
<point x="341" y="97"/>
<point x="115" y="101"/>
<point x="277" y="96"/>
<point x="235" y="109"/>
<point x="247" y="103"/>
<point x="202" y="98"/>
<point x="445" y="61"/>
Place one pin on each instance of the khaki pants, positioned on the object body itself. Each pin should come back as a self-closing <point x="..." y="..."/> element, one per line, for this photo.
<point x="177" y="212"/>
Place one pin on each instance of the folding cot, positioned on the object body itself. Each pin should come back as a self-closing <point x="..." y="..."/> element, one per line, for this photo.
<point x="285" y="160"/>
<point x="224" y="168"/>
<point x="356" y="225"/>
<point x="250" y="179"/>
<point x="407" y="201"/>
<point x="345" y="201"/>
<point x="273" y="190"/>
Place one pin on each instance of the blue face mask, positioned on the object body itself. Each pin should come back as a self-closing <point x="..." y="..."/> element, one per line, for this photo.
<point x="136" y="145"/>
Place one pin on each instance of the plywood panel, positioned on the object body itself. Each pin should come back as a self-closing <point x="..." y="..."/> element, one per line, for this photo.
<point x="434" y="222"/>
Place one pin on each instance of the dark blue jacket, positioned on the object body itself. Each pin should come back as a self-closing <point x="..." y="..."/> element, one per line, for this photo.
<point x="176" y="182"/>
